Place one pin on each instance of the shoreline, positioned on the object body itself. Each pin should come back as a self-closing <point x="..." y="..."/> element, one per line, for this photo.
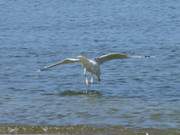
<point x="82" y="130"/>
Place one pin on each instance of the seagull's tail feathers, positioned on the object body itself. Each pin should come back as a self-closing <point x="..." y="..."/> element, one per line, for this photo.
<point x="65" y="61"/>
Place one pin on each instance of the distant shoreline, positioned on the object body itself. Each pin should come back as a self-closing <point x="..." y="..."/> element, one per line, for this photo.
<point x="82" y="130"/>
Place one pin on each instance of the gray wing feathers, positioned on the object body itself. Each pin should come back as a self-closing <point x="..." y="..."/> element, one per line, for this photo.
<point x="65" y="61"/>
<point x="110" y="56"/>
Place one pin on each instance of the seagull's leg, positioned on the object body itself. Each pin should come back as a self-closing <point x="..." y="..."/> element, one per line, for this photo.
<point x="85" y="76"/>
<point x="86" y="80"/>
<point x="91" y="81"/>
<point x="87" y="84"/>
<point x="85" y="71"/>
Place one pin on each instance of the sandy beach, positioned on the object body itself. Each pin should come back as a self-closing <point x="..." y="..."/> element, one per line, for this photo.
<point x="84" y="130"/>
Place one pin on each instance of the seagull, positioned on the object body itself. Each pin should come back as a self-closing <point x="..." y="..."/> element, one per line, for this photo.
<point x="91" y="66"/>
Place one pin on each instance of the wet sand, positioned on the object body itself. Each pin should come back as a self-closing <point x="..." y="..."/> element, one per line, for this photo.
<point x="84" y="130"/>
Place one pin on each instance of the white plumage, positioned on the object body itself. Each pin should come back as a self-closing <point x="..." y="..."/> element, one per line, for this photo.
<point x="89" y="65"/>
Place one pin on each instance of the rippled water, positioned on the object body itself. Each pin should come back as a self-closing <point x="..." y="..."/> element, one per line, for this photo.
<point x="133" y="92"/>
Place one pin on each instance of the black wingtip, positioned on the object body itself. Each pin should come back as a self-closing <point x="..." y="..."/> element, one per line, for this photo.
<point x="147" y="56"/>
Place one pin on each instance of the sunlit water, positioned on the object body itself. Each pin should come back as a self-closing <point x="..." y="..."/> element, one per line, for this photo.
<point x="132" y="93"/>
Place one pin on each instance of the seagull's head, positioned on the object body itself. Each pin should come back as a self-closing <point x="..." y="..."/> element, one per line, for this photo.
<point x="82" y="58"/>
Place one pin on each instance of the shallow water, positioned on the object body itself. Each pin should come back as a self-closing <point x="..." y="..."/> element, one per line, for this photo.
<point x="141" y="93"/>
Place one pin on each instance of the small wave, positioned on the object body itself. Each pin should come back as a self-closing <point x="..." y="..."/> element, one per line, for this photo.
<point x="77" y="93"/>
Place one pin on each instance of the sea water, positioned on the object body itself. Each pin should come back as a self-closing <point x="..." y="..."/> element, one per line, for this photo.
<point x="135" y="92"/>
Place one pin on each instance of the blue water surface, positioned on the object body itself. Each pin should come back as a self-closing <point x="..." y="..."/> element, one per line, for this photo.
<point x="133" y="92"/>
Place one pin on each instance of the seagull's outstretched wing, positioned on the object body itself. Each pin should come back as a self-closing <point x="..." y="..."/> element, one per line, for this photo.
<point x="65" y="61"/>
<point x="110" y="56"/>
